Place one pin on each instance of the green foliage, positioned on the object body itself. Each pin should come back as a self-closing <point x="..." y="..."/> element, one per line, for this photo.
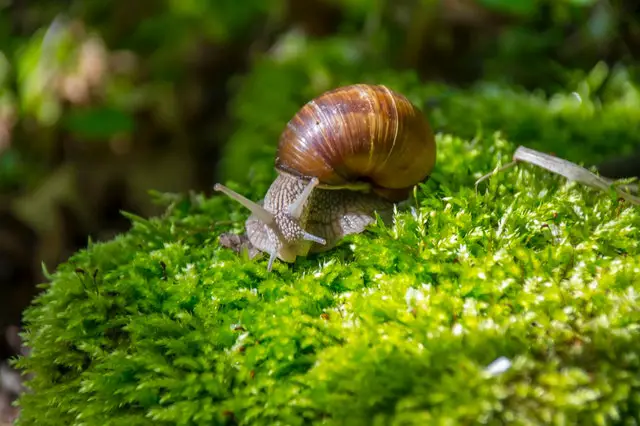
<point x="397" y="325"/>
<point x="578" y="124"/>
<point x="99" y="122"/>
<point x="219" y="20"/>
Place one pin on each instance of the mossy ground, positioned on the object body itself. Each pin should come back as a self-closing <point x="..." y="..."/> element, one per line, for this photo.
<point x="397" y="325"/>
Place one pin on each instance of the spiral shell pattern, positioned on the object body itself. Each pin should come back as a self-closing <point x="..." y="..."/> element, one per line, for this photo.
<point x="360" y="133"/>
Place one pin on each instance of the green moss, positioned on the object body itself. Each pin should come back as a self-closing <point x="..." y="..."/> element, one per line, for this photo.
<point x="397" y="325"/>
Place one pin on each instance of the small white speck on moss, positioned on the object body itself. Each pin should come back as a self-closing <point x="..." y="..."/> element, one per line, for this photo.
<point x="413" y="295"/>
<point x="488" y="324"/>
<point x="350" y="323"/>
<point x="414" y="213"/>
<point x="470" y="307"/>
<point x="241" y="338"/>
<point x="505" y="284"/>
<point x="457" y="329"/>
<point x="217" y="264"/>
<point x="577" y="97"/>
<point x="463" y="252"/>
<point x="499" y="366"/>
<point x="602" y="321"/>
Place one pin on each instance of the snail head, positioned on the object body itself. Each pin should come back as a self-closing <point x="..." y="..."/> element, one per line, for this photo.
<point x="278" y="231"/>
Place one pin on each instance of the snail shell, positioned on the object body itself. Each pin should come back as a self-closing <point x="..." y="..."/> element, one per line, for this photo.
<point x="346" y="155"/>
<point x="359" y="134"/>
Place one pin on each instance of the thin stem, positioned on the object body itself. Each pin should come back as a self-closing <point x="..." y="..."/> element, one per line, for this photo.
<point x="495" y="172"/>
<point x="568" y="170"/>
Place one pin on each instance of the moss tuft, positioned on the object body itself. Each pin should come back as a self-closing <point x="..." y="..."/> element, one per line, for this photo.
<point x="398" y="324"/>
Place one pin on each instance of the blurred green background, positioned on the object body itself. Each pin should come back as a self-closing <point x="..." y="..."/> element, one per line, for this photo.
<point x="101" y="102"/>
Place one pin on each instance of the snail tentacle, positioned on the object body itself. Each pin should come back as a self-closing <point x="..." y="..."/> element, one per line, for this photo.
<point x="272" y="258"/>
<point x="259" y="211"/>
<point x="313" y="238"/>
<point x="296" y="208"/>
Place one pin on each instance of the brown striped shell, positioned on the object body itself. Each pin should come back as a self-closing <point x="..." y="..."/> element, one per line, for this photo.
<point x="360" y="134"/>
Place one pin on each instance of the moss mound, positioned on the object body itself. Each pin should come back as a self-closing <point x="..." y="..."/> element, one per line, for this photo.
<point x="518" y="303"/>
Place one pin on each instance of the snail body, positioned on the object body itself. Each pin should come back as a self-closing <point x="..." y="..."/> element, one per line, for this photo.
<point x="346" y="155"/>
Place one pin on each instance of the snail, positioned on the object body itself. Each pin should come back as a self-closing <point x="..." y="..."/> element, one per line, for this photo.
<point x="346" y="155"/>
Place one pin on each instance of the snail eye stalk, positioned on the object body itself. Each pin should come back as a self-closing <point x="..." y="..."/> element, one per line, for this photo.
<point x="255" y="208"/>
